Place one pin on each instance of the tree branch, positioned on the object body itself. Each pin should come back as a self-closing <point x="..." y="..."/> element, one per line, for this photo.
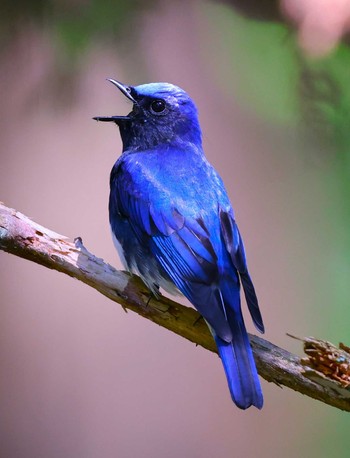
<point x="27" y="239"/>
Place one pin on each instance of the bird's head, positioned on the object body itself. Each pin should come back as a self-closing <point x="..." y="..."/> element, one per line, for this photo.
<point x="162" y="114"/>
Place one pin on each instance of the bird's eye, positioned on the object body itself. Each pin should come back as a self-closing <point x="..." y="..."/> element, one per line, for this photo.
<point x="158" y="106"/>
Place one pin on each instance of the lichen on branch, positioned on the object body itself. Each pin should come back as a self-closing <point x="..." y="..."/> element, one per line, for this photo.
<point x="24" y="238"/>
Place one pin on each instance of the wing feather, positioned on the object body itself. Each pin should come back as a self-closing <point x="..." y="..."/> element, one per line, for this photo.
<point x="235" y="247"/>
<point x="180" y="242"/>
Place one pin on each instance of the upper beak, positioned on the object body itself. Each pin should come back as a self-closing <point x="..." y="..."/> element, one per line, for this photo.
<point x="127" y="92"/>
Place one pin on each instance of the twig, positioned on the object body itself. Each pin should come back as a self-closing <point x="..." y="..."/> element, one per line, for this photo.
<point x="27" y="239"/>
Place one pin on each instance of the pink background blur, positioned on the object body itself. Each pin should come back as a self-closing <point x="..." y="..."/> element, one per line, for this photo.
<point x="79" y="377"/>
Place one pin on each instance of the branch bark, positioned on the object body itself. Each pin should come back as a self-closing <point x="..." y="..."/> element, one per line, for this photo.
<point x="24" y="238"/>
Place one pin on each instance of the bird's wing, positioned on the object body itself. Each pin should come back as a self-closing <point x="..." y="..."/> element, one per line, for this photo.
<point x="180" y="241"/>
<point x="235" y="247"/>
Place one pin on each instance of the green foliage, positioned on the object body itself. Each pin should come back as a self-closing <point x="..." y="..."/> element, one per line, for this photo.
<point x="73" y="27"/>
<point x="262" y="57"/>
<point x="77" y="28"/>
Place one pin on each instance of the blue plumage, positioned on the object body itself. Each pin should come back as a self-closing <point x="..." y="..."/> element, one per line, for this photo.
<point x="174" y="225"/>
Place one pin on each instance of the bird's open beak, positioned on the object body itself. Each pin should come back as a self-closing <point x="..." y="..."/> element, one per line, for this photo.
<point x="118" y="119"/>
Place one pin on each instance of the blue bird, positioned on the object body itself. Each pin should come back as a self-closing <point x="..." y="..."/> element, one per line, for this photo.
<point x="174" y="226"/>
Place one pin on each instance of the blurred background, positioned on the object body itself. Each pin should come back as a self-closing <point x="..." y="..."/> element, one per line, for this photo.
<point x="79" y="377"/>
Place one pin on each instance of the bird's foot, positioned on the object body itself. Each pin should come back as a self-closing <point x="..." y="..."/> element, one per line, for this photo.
<point x="198" y="319"/>
<point x="153" y="294"/>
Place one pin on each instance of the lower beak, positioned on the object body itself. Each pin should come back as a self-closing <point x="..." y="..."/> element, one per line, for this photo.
<point x="117" y="119"/>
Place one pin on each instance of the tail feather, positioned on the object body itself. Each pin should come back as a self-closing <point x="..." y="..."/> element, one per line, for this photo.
<point x="238" y="361"/>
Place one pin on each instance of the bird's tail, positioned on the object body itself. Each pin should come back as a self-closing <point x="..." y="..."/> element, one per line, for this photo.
<point x="238" y="361"/>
